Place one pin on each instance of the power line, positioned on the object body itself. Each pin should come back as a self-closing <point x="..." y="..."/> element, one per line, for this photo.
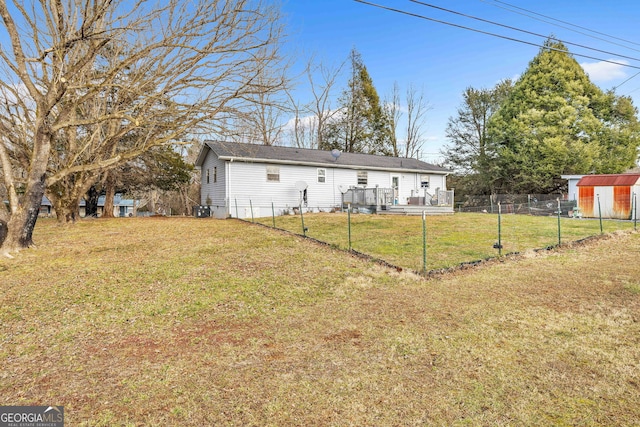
<point x="616" y="87"/>
<point x="567" y="28"/>
<point x="415" y="15"/>
<point x="568" y="23"/>
<point x="572" y="25"/>
<point x="629" y="93"/>
<point x="521" y="30"/>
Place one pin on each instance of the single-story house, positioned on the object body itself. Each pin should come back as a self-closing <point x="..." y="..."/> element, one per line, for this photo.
<point x="46" y="208"/>
<point x="609" y="196"/>
<point x="244" y="180"/>
<point x="121" y="207"/>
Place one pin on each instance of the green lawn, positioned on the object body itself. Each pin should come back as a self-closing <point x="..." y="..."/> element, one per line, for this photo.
<point x="191" y="322"/>
<point x="451" y="240"/>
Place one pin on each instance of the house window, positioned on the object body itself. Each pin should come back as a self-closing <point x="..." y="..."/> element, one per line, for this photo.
<point x="215" y="174"/>
<point x="362" y="177"/>
<point x="322" y="175"/>
<point x="424" y="181"/>
<point x="207" y="174"/>
<point x="273" y="173"/>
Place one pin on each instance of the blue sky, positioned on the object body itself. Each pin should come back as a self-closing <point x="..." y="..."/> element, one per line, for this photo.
<point x="443" y="60"/>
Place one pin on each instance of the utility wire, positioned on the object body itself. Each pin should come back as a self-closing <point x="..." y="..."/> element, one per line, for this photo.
<point x="521" y="30"/>
<point x="568" y="23"/>
<point x="570" y="29"/>
<point x="616" y="87"/>
<point x="567" y="28"/>
<point x="415" y="15"/>
<point x="629" y="93"/>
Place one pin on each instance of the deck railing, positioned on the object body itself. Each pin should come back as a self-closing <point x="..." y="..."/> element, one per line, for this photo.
<point x="380" y="198"/>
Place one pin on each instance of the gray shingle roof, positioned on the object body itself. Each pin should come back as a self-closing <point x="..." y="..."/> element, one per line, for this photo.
<point x="304" y="156"/>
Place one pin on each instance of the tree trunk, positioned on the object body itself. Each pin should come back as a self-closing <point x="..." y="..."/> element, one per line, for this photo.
<point x="91" y="202"/>
<point x="184" y="195"/>
<point x="19" y="227"/>
<point x="66" y="200"/>
<point x="110" y="192"/>
<point x="67" y="209"/>
<point x="153" y="202"/>
<point x="14" y="235"/>
<point x="17" y="233"/>
<point x="3" y="230"/>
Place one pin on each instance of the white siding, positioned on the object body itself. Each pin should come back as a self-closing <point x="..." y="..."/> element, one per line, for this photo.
<point x="248" y="187"/>
<point x="213" y="192"/>
<point x="635" y="199"/>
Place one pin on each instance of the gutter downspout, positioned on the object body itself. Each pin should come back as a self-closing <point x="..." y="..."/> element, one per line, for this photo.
<point x="228" y="203"/>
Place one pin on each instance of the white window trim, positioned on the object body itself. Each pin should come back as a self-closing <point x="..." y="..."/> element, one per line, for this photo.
<point x="272" y="173"/>
<point x="425" y="181"/>
<point x="323" y="176"/>
<point x="366" y="177"/>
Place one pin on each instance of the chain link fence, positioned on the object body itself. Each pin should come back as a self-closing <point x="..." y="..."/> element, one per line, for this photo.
<point x="481" y="228"/>
<point x="528" y="204"/>
<point x="427" y="243"/>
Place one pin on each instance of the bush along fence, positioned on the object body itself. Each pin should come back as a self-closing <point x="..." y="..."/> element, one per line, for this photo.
<point x="426" y="243"/>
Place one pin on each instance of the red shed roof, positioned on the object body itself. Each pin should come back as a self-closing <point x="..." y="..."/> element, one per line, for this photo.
<point x="624" y="179"/>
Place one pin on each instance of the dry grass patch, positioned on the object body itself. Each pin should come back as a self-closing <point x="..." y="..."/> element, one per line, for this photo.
<point x="199" y="322"/>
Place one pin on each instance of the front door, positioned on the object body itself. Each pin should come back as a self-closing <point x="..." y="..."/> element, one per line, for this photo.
<point x="395" y="186"/>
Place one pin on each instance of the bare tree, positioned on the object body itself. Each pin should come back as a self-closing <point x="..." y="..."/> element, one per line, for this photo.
<point x="320" y="106"/>
<point x="394" y="113"/>
<point x="417" y="108"/>
<point x="298" y="129"/>
<point x="262" y="121"/>
<point x="93" y="84"/>
<point x="408" y="141"/>
<point x="310" y="118"/>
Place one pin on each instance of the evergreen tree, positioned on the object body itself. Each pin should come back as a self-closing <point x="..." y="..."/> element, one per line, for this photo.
<point x="361" y="125"/>
<point x="555" y="121"/>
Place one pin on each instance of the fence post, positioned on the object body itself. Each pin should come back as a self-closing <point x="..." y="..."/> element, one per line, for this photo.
<point x="635" y="211"/>
<point x="559" y="238"/>
<point x="273" y="215"/>
<point x="499" y="229"/>
<point x="251" y="207"/>
<point x="529" y="203"/>
<point x="424" y="242"/>
<point x="304" y="229"/>
<point x="349" y="223"/>
<point x="599" y="213"/>
<point x="236" y="199"/>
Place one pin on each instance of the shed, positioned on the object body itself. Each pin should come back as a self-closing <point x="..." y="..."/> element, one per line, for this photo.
<point x="609" y="196"/>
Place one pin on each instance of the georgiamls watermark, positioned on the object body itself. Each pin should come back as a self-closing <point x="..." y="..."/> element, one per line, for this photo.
<point x="31" y="416"/>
